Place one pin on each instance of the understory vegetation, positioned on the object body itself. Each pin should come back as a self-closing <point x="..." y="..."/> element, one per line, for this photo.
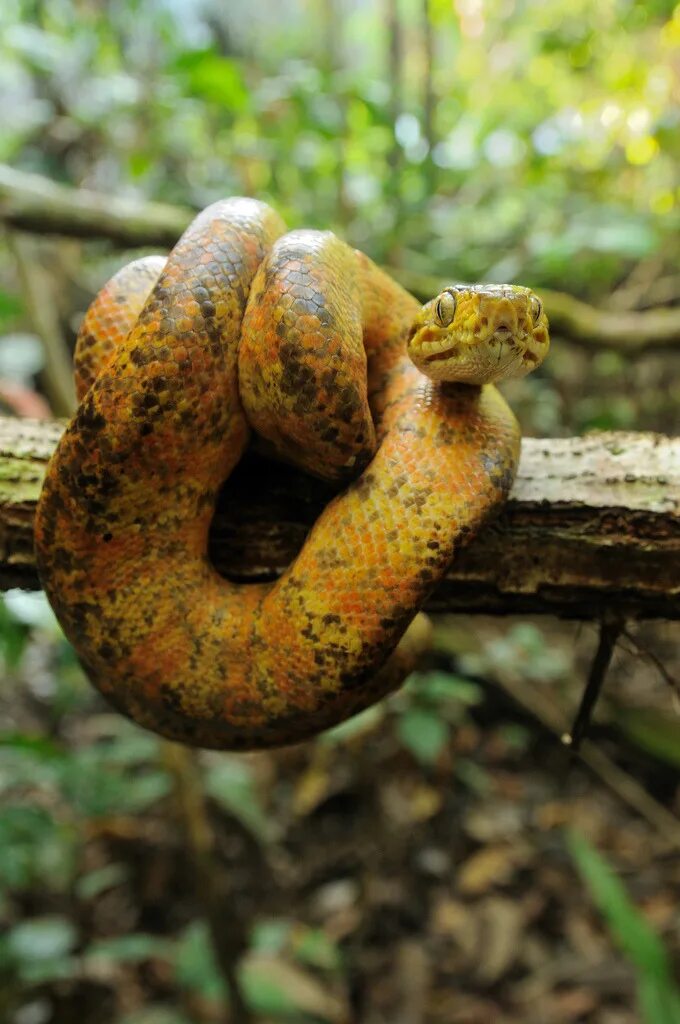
<point x="442" y="857"/>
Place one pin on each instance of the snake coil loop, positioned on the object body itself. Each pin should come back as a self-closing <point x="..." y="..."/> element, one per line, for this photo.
<point x="303" y="340"/>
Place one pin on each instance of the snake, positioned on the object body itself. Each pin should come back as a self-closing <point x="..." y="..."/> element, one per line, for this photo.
<point x="247" y="330"/>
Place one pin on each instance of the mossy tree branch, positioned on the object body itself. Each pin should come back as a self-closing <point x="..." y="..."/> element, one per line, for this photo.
<point x="592" y="525"/>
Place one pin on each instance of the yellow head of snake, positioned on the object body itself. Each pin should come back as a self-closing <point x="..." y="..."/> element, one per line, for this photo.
<point x="480" y="333"/>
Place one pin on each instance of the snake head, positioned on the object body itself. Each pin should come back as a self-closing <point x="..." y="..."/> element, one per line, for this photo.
<point x="481" y="333"/>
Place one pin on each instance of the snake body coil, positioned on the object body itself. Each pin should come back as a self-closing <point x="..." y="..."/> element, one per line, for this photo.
<point x="305" y="340"/>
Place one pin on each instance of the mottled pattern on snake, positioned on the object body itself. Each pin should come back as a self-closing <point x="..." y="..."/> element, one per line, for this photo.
<point x="305" y="340"/>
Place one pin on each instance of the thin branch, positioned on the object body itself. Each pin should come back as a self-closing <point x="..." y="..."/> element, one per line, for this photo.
<point x="637" y="283"/>
<point x="611" y="628"/>
<point x="41" y="306"/>
<point x="645" y="652"/>
<point x="34" y="203"/>
<point x="540" y="705"/>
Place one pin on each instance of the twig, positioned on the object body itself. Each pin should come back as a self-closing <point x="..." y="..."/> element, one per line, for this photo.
<point x="41" y="306"/>
<point x="227" y="932"/>
<point x="629" y="292"/>
<point x="645" y="652"/>
<point x="541" y="707"/>
<point x="610" y="630"/>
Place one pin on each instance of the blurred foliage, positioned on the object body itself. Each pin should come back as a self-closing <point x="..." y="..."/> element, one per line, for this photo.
<point x="539" y="144"/>
<point x="59" y="789"/>
<point x="552" y="154"/>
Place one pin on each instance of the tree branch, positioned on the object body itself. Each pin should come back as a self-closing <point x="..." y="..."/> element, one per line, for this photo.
<point x="592" y="525"/>
<point x="34" y="203"/>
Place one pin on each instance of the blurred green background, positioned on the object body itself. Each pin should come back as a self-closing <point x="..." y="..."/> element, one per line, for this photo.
<point x="412" y="866"/>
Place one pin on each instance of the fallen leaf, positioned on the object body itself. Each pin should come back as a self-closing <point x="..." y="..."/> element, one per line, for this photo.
<point x="502" y="921"/>
<point x="273" y="986"/>
<point x="492" y="865"/>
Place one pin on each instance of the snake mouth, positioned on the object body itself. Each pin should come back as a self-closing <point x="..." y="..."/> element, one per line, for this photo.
<point x="436" y="357"/>
<point x="502" y="336"/>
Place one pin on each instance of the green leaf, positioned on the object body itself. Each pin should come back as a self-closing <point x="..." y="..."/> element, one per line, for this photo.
<point x="314" y="947"/>
<point x="358" y="725"/>
<point x="43" y="748"/>
<point x="274" y="988"/>
<point x="439" y="687"/>
<point x="13" y="637"/>
<point x="654" y="731"/>
<point x="145" y="790"/>
<point x="266" y="994"/>
<point x="271" y="936"/>
<point x="94" y="883"/>
<point x="195" y="965"/>
<point x="309" y="945"/>
<point x="154" y="1015"/>
<point x="423" y="733"/>
<point x="40" y="938"/>
<point x="214" y="78"/>
<point x="658" y="994"/>
<point x="131" y="745"/>
<point x="129" y="948"/>
<point x="97" y="786"/>
<point x="230" y="782"/>
<point x="659" y="1001"/>
<point x="31" y="609"/>
<point x="35" y="850"/>
<point x="473" y="776"/>
<point x="11" y="307"/>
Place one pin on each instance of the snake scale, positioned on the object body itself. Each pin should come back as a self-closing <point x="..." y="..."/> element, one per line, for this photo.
<point x="305" y="341"/>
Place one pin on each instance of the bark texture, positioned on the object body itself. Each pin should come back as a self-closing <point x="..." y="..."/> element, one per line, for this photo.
<point x="593" y="524"/>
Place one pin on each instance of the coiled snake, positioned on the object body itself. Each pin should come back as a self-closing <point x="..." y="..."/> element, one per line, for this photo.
<point x="304" y="340"/>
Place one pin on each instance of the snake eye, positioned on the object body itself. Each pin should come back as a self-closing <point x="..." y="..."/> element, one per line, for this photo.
<point x="536" y="307"/>
<point x="445" y="308"/>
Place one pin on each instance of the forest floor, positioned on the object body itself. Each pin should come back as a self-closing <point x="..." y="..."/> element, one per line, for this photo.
<point x="415" y="865"/>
